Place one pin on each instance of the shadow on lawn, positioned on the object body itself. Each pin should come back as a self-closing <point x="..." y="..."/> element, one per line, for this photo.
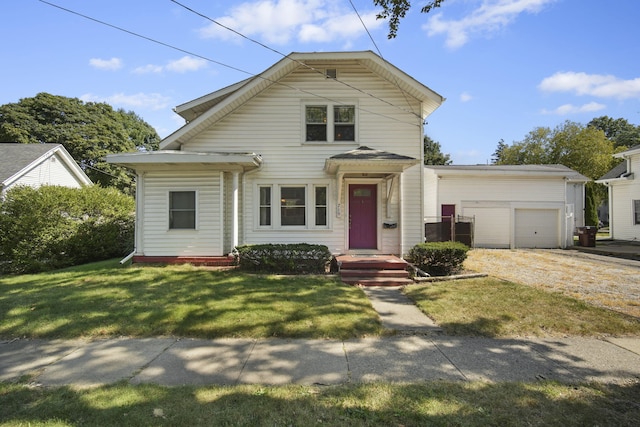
<point x="437" y="403"/>
<point x="183" y="301"/>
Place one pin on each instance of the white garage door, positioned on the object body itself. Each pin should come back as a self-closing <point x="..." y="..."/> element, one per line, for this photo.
<point x="537" y="228"/>
<point x="492" y="227"/>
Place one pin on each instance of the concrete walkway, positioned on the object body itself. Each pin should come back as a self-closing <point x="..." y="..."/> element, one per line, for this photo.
<point x="419" y="352"/>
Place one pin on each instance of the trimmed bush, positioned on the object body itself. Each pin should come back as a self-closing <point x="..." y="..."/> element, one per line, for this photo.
<point x="439" y="258"/>
<point x="54" y="227"/>
<point x="297" y="258"/>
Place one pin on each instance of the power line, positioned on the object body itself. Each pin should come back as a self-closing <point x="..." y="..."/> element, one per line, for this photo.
<point x="239" y="69"/>
<point x="304" y="64"/>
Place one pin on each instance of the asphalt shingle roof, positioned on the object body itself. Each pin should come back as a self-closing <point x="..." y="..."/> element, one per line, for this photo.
<point x="14" y="156"/>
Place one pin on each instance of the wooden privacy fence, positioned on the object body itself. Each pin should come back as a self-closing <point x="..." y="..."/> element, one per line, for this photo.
<point x="449" y="229"/>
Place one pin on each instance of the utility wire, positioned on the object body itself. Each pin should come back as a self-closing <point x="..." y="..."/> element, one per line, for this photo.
<point x="302" y="63"/>
<point x="236" y="68"/>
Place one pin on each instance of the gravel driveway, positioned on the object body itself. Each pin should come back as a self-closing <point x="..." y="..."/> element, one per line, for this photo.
<point x="603" y="281"/>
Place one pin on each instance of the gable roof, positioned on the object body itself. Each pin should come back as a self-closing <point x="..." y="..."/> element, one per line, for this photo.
<point x="374" y="160"/>
<point x="16" y="159"/>
<point x="551" y="171"/>
<point x="617" y="172"/>
<point x="206" y="110"/>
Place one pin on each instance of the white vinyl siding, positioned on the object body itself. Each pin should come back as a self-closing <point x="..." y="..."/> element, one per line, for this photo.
<point x="51" y="171"/>
<point x="158" y="239"/>
<point x="622" y="196"/>
<point x="273" y="124"/>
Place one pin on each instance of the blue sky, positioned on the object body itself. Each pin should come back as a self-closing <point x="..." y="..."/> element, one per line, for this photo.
<point x="505" y="66"/>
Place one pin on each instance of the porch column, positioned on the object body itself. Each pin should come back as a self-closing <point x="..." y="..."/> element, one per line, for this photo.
<point x="234" y="209"/>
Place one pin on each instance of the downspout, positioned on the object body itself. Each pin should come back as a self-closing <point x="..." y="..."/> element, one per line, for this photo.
<point x="138" y="215"/>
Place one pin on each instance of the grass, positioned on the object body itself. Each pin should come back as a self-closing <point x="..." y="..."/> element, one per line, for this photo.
<point x="103" y="299"/>
<point x="377" y="404"/>
<point x="495" y="308"/>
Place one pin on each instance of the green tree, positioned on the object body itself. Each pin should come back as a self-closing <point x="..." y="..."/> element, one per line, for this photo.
<point x="433" y="154"/>
<point x="623" y="134"/>
<point x="585" y="149"/>
<point x="395" y="10"/>
<point x="497" y="155"/>
<point x="89" y="131"/>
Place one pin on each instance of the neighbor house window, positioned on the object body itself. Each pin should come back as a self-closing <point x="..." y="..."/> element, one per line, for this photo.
<point x="292" y="206"/>
<point x="182" y="210"/>
<point x="299" y="206"/>
<point x="327" y="123"/>
<point x="636" y="211"/>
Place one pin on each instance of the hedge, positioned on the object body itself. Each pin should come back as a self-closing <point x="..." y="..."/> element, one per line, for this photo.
<point x="439" y="258"/>
<point x="54" y="227"/>
<point x="297" y="258"/>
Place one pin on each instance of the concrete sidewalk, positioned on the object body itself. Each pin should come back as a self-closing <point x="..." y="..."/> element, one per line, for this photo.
<point x="406" y="358"/>
<point x="419" y="352"/>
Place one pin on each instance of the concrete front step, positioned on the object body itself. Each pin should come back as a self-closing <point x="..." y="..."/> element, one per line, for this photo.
<point x="375" y="270"/>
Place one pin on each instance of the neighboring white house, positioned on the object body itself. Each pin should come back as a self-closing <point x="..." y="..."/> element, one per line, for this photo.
<point x="38" y="164"/>
<point x="321" y="148"/>
<point x="525" y="206"/>
<point x="623" y="182"/>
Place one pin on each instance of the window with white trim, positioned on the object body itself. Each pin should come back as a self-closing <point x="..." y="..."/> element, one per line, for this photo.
<point x="636" y="212"/>
<point x="297" y="206"/>
<point x="182" y="210"/>
<point x="330" y="122"/>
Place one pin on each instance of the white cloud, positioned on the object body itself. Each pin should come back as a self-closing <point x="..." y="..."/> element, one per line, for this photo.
<point x="182" y="65"/>
<point x="106" y="64"/>
<point x="186" y="63"/>
<point x="567" y="109"/>
<point x="146" y="101"/>
<point x="599" y="85"/>
<point x="491" y="16"/>
<point x="280" y="21"/>
<point x="149" y="68"/>
<point x="465" y="97"/>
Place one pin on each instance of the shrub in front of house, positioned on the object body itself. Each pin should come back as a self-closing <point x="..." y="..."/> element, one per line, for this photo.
<point x="296" y="258"/>
<point x="54" y="227"/>
<point x="439" y="258"/>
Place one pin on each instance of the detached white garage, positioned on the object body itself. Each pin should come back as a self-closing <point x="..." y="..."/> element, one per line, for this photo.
<point x="523" y="206"/>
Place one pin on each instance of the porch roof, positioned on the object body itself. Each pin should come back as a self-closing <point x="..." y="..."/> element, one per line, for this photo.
<point x="191" y="158"/>
<point x="365" y="159"/>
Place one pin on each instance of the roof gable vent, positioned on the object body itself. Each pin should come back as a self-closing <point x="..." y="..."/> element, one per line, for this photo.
<point x="331" y="73"/>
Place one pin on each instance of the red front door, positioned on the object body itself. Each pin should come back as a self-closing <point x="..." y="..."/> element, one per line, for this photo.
<point x="363" y="217"/>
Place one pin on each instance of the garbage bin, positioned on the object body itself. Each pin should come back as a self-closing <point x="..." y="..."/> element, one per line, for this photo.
<point x="587" y="236"/>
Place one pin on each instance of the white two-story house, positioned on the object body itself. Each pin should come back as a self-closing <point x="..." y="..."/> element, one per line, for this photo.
<point x="322" y="148"/>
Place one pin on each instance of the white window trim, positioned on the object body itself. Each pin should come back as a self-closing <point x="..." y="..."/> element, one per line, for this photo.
<point x="197" y="198"/>
<point x="310" y="206"/>
<point x="330" y="120"/>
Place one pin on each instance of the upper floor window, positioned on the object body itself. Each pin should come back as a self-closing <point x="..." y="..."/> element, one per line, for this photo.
<point x="329" y="123"/>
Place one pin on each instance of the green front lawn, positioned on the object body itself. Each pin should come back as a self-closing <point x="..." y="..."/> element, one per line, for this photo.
<point x="104" y="299"/>
<point x="435" y="403"/>
<point x="496" y="308"/>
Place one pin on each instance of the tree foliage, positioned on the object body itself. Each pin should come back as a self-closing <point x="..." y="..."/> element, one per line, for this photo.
<point x="53" y="227"/>
<point x="89" y="131"/>
<point x="395" y="10"/>
<point x="622" y="133"/>
<point x="433" y="154"/>
<point x="586" y="149"/>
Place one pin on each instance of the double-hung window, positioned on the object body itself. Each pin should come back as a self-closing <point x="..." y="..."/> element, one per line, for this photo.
<point x="288" y="206"/>
<point x="636" y="212"/>
<point x="182" y="210"/>
<point x="330" y="122"/>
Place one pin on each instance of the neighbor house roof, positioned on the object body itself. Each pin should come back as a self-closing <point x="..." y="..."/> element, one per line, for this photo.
<point x="207" y="110"/>
<point x="510" y="170"/>
<point x="17" y="159"/>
